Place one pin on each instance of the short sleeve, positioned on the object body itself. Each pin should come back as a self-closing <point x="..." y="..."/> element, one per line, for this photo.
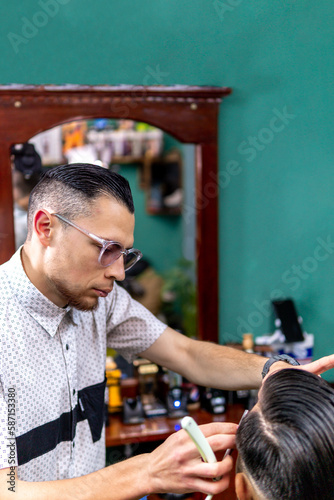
<point x="131" y="328"/>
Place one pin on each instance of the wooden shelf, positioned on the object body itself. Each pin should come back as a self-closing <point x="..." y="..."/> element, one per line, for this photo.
<point x="159" y="428"/>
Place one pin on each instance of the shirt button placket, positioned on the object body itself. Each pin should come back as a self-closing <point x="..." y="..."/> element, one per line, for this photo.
<point x="71" y="370"/>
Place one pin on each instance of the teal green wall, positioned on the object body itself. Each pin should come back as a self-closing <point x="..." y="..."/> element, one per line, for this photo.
<point x="278" y="58"/>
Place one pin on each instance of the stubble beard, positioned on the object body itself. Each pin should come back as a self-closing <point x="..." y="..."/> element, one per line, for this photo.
<point x="73" y="299"/>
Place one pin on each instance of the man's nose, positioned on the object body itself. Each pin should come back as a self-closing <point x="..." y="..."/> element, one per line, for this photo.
<point x="116" y="269"/>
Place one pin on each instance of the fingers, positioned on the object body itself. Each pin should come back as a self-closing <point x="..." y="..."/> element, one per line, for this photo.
<point x="320" y="365"/>
<point x="317" y="367"/>
<point x="221" y="442"/>
<point x="203" y="477"/>
<point x="220" y="436"/>
<point x="219" y="428"/>
<point x="211" y="471"/>
<point x="176" y="465"/>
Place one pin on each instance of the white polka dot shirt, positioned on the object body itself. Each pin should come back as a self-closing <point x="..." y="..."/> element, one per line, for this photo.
<point x="52" y="371"/>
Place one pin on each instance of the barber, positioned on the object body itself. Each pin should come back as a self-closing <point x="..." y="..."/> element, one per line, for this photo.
<point x="60" y="310"/>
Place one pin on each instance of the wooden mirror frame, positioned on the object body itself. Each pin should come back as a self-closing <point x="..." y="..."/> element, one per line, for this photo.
<point x="190" y="114"/>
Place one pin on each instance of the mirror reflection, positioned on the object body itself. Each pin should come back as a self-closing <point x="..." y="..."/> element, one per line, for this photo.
<point x="160" y="171"/>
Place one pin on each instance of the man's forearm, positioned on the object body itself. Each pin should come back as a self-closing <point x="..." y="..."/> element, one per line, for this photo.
<point x="123" y="481"/>
<point x="205" y="363"/>
<point x="174" y="466"/>
<point x="224" y="367"/>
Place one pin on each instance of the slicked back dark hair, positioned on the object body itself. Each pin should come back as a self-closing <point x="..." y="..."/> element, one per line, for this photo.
<point x="72" y="189"/>
<point x="287" y="447"/>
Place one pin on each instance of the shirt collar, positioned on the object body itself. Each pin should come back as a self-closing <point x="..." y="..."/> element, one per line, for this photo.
<point x="45" y="312"/>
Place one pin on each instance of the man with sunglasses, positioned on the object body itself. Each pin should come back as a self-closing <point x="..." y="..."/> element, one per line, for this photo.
<point x="60" y="309"/>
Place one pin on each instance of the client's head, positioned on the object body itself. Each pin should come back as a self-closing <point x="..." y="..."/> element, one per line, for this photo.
<point x="286" y="443"/>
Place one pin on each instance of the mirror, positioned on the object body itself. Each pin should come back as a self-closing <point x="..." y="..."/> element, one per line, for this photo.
<point x="160" y="171"/>
<point x="187" y="113"/>
<point x="154" y="164"/>
<point x="119" y="144"/>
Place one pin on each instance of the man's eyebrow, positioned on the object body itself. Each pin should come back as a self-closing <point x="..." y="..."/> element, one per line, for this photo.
<point x="115" y="241"/>
<point x="106" y="239"/>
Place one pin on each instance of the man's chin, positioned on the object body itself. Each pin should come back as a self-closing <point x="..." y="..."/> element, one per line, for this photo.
<point x="84" y="305"/>
<point x="79" y="299"/>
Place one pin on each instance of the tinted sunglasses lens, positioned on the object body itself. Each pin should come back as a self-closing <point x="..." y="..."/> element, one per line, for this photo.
<point x="130" y="259"/>
<point x="110" y="254"/>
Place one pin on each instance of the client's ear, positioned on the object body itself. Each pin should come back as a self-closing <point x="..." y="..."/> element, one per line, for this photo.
<point x="243" y="488"/>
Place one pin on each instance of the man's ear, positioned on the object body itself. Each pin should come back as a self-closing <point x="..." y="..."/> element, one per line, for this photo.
<point x="243" y="488"/>
<point x="42" y="226"/>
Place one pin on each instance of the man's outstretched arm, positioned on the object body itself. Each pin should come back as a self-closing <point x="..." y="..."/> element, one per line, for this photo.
<point x="213" y="365"/>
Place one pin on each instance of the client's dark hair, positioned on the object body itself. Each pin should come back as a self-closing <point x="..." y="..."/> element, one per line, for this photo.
<point x="286" y="446"/>
<point x="72" y="189"/>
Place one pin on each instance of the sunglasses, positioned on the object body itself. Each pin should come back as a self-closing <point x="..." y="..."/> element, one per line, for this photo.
<point x="110" y="250"/>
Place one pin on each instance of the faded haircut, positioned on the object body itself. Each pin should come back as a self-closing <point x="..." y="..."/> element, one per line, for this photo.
<point x="72" y="189"/>
<point x="286" y="447"/>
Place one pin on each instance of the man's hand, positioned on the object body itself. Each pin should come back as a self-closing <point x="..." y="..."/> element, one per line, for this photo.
<point x="320" y="365"/>
<point x="176" y="465"/>
<point x="317" y="367"/>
